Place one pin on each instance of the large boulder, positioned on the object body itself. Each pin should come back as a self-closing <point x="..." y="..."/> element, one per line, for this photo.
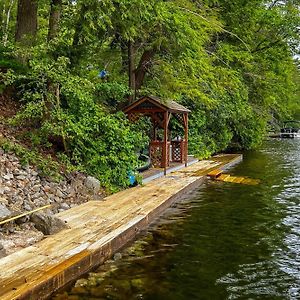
<point x="47" y="224"/>
<point x="92" y="184"/>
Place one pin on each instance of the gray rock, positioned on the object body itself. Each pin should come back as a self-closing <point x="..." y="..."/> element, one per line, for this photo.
<point x="92" y="184"/>
<point x="3" y="201"/>
<point x="47" y="188"/>
<point x="26" y="168"/>
<point x="36" y="188"/>
<point x="36" y="195"/>
<point x="34" y="173"/>
<point x="6" y="190"/>
<point x="47" y="224"/>
<point x="39" y="201"/>
<point x="59" y="193"/>
<point x="64" y="206"/>
<point x="22" y="220"/>
<point x="2" y="251"/>
<point x="18" y="172"/>
<point x="4" y="212"/>
<point x="57" y="199"/>
<point x="71" y="192"/>
<point x="27" y="206"/>
<point x="8" y="176"/>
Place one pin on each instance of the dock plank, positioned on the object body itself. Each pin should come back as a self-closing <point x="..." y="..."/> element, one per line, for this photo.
<point x="96" y="230"/>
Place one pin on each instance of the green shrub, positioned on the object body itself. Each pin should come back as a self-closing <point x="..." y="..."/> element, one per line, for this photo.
<point x="46" y="165"/>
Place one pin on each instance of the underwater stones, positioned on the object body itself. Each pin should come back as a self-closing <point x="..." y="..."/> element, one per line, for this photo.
<point x="117" y="256"/>
<point x="80" y="290"/>
<point x="81" y="282"/>
<point x="137" y="283"/>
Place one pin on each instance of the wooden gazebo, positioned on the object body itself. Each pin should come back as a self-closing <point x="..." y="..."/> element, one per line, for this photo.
<point x="160" y="112"/>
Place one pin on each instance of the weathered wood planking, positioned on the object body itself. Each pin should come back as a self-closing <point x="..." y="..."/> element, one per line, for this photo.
<point x="215" y="173"/>
<point x="97" y="230"/>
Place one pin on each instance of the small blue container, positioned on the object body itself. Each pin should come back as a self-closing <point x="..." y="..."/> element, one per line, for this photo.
<point x="132" y="178"/>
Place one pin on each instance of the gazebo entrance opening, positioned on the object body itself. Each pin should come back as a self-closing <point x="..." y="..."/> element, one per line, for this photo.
<point x="165" y="149"/>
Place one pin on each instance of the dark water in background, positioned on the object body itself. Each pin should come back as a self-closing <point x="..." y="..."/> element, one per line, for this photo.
<point x="228" y="241"/>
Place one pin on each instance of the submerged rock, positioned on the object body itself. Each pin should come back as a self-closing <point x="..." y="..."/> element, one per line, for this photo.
<point x="48" y="224"/>
<point x="81" y="282"/>
<point x="117" y="256"/>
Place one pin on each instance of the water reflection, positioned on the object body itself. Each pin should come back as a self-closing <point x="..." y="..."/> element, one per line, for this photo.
<point x="228" y="241"/>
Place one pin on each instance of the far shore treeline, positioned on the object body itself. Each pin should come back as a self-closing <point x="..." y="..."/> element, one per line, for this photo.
<point x="69" y="66"/>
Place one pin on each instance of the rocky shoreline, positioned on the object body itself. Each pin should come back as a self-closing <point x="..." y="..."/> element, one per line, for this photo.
<point x="22" y="190"/>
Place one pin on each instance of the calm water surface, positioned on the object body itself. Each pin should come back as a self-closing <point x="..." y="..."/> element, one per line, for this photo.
<point x="227" y="241"/>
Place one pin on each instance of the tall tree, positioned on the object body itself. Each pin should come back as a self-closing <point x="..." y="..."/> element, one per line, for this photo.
<point x="54" y="19"/>
<point x="27" y="21"/>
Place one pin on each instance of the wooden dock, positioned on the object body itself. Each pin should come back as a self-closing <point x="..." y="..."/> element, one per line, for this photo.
<point x="97" y="230"/>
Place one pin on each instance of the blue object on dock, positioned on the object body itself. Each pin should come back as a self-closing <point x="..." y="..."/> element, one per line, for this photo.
<point x="131" y="177"/>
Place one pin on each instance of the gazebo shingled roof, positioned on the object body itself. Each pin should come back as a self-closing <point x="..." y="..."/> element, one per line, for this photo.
<point x="160" y="112"/>
<point x="166" y="105"/>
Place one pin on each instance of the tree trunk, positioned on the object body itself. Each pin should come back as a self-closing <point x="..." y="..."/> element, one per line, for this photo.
<point x="3" y="16"/>
<point x="124" y="55"/>
<point x="53" y="98"/>
<point x="54" y="19"/>
<point x="131" y="72"/>
<point x="76" y="49"/>
<point x="26" y="28"/>
<point x="144" y="65"/>
<point x="5" y="21"/>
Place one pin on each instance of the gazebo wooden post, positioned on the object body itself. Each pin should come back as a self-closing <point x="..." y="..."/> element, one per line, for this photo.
<point x="165" y="145"/>
<point x="186" y="136"/>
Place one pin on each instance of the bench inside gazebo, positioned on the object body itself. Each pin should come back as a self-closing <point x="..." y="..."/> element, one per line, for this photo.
<point x="166" y="150"/>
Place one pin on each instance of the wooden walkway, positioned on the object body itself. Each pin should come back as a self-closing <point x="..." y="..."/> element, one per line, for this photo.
<point x="154" y="173"/>
<point x="97" y="230"/>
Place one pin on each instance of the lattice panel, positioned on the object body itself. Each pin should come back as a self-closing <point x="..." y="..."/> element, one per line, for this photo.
<point x="156" y="155"/>
<point x="178" y="151"/>
<point x="134" y="117"/>
<point x="176" y="154"/>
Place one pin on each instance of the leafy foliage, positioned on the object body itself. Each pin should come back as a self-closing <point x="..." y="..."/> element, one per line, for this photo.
<point x="232" y="63"/>
<point x="46" y="166"/>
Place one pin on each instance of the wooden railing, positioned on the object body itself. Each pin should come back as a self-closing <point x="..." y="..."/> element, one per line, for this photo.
<point x="176" y="153"/>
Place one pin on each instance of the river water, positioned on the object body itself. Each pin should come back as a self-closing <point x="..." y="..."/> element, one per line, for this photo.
<point x="226" y="241"/>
